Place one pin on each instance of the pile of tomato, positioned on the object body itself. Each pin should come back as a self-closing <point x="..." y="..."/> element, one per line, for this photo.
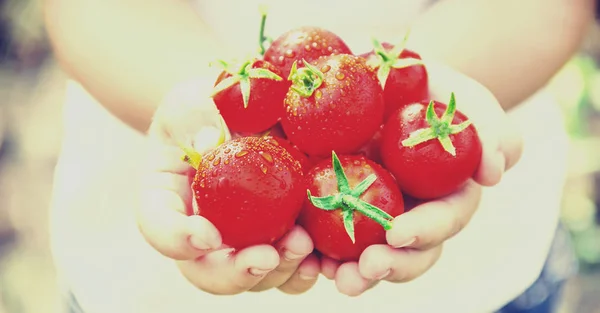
<point x="330" y="140"/>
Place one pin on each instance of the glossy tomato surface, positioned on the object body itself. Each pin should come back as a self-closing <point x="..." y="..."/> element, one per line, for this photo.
<point x="251" y="189"/>
<point x="342" y="114"/>
<point x="308" y="43"/>
<point x="427" y="171"/>
<point x="326" y="228"/>
<point x="265" y="105"/>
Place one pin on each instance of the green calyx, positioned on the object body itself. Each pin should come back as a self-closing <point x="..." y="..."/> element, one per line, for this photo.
<point x="440" y="128"/>
<point x="387" y="60"/>
<point x="262" y="39"/>
<point x="305" y="80"/>
<point x="348" y="201"/>
<point x="242" y="75"/>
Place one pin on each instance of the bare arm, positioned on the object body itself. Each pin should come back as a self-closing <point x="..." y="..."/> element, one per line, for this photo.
<point x="128" y="53"/>
<point x="513" y="47"/>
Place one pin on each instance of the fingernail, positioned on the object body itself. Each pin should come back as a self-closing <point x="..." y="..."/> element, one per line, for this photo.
<point x="290" y="256"/>
<point x="406" y="243"/>
<point x="384" y="275"/>
<point x="306" y="277"/>
<point x="258" y="272"/>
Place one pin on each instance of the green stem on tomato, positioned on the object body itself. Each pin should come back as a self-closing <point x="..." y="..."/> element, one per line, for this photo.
<point x="242" y="75"/>
<point x="388" y="60"/>
<point x="261" y="36"/>
<point x="348" y="200"/>
<point x="305" y="80"/>
<point x="439" y="128"/>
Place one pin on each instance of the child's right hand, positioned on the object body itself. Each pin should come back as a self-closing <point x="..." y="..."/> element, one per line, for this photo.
<point x="189" y="117"/>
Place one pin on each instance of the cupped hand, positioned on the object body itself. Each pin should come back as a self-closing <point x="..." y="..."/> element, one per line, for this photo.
<point x="188" y="118"/>
<point x="414" y="243"/>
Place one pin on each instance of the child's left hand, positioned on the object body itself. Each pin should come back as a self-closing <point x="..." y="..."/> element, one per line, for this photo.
<point x="416" y="238"/>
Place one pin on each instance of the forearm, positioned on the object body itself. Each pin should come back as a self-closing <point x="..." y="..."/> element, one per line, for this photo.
<point x="129" y="53"/>
<point x="513" y="47"/>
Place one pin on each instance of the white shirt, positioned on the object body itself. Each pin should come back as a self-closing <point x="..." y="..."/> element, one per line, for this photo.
<point x="110" y="269"/>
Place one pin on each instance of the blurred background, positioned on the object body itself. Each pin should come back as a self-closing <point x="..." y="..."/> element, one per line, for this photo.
<point x="31" y="88"/>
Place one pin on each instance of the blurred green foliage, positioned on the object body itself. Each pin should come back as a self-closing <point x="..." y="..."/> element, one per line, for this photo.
<point x="577" y="87"/>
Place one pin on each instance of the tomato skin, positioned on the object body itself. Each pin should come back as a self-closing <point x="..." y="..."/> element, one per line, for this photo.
<point x="308" y="43"/>
<point x="265" y="105"/>
<point x="275" y="131"/>
<point x="251" y="189"/>
<point x="342" y="114"/>
<point x="326" y="228"/>
<point x="403" y="85"/>
<point x="372" y="149"/>
<point x="427" y="171"/>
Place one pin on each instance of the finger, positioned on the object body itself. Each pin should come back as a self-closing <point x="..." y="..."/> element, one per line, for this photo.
<point x="431" y="223"/>
<point x="185" y="111"/>
<point x="329" y="267"/>
<point x="304" y="278"/>
<point x="165" y="227"/>
<point x="501" y="142"/>
<point x="382" y="262"/>
<point x="223" y="272"/>
<point x="293" y="248"/>
<point x="349" y="281"/>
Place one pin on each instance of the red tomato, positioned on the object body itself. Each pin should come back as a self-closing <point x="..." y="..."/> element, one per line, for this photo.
<point x="372" y="150"/>
<point x="352" y="201"/>
<point x="404" y="84"/>
<point x="430" y="156"/>
<point x="308" y="43"/>
<point x="334" y="104"/>
<point x="251" y="189"/>
<point x="250" y="98"/>
<point x="275" y="131"/>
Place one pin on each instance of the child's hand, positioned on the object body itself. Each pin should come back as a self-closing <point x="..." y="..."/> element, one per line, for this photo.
<point x="189" y="117"/>
<point x="416" y="238"/>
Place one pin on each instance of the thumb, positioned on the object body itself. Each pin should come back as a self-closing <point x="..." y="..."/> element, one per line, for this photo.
<point x="187" y="118"/>
<point x="185" y="112"/>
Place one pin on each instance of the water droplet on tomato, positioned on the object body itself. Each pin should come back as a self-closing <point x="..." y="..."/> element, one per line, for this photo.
<point x="289" y="53"/>
<point x="227" y="150"/>
<point x="325" y="68"/>
<point x="340" y="75"/>
<point x="318" y="94"/>
<point x="263" y="168"/>
<point x="299" y="128"/>
<point x="226" y="162"/>
<point x="210" y="157"/>
<point x="281" y="60"/>
<point x="307" y="48"/>
<point x="315" y="45"/>
<point x="223" y="184"/>
<point x="330" y="49"/>
<point x="241" y="153"/>
<point x="217" y="161"/>
<point x="267" y="156"/>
